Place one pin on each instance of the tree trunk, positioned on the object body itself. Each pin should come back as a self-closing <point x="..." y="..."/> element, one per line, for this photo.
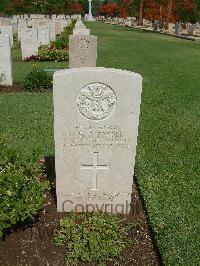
<point x="169" y="11"/>
<point x="140" y="15"/>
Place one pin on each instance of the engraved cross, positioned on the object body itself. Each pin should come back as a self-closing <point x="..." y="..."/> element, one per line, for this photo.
<point x="94" y="167"/>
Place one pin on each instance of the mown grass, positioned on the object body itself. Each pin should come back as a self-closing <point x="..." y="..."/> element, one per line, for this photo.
<point x="168" y="153"/>
<point x="20" y="68"/>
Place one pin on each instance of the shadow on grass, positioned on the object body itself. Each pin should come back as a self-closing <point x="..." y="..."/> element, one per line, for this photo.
<point x="151" y="232"/>
<point x="51" y="174"/>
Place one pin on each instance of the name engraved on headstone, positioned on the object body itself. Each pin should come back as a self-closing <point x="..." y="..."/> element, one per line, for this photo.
<point x="93" y="137"/>
<point x="84" y="43"/>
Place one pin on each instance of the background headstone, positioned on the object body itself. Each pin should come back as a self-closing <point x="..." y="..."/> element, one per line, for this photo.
<point x="5" y="60"/>
<point x="29" y="42"/>
<point x="82" y="51"/>
<point x="178" y="29"/>
<point x="190" y="29"/>
<point x="80" y="29"/>
<point x="58" y="27"/>
<point x="7" y="30"/>
<point x="52" y="28"/>
<point x="43" y="35"/>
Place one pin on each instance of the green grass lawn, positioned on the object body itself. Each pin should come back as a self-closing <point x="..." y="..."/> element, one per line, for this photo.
<point x="168" y="153"/>
<point x="20" y="67"/>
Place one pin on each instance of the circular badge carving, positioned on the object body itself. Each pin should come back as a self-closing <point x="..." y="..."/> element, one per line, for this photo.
<point x="96" y="101"/>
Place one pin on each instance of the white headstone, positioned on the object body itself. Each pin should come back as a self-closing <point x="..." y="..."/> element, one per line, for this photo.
<point x="35" y="23"/>
<point x="52" y="28"/>
<point x="22" y="25"/>
<point x="5" y="61"/>
<point x="54" y="17"/>
<point x="7" y="30"/>
<point x="43" y="35"/>
<point x="80" y="29"/>
<point x="170" y="27"/>
<point x="5" y="22"/>
<point x="82" y="51"/>
<point x="29" y="43"/>
<point x="58" y="27"/>
<point x="61" y="17"/>
<point x="14" y="26"/>
<point x="43" y="22"/>
<point x="96" y="118"/>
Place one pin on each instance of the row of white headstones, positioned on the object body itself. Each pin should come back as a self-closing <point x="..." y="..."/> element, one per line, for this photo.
<point x="31" y="36"/>
<point x="82" y="50"/>
<point x="173" y="28"/>
<point x="96" y="118"/>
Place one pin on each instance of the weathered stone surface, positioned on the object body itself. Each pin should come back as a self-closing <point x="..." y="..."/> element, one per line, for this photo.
<point x="80" y="29"/>
<point x="22" y="25"/>
<point x="96" y="117"/>
<point x="7" y="30"/>
<point x="82" y="51"/>
<point x="29" y="42"/>
<point x="43" y="35"/>
<point x="5" y="61"/>
<point x="52" y="28"/>
<point x="58" y="27"/>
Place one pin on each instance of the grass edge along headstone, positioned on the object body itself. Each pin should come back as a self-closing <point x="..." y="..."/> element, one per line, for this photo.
<point x="96" y="118"/>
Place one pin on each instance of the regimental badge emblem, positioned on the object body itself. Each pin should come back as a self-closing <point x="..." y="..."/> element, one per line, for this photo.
<point x="96" y="101"/>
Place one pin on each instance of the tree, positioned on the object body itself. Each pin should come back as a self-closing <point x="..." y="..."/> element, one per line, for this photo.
<point x="141" y="10"/>
<point x="169" y="11"/>
<point x="186" y="10"/>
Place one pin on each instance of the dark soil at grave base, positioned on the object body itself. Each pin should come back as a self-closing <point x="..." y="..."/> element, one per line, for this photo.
<point x="15" y="88"/>
<point x="33" y="245"/>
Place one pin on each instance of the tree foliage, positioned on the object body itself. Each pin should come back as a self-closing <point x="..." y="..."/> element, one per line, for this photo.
<point x="163" y="10"/>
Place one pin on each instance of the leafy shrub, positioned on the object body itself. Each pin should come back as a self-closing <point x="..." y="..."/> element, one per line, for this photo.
<point x="21" y="192"/>
<point x="68" y="31"/>
<point x="92" y="237"/>
<point x="63" y="42"/>
<point x="16" y="43"/>
<point x="53" y="55"/>
<point x="59" y="44"/>
<point x="37" y="80"/>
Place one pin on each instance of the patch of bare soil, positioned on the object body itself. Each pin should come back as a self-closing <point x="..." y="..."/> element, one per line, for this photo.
<point x="33" y="244"/>
<point x="14" y="88"/>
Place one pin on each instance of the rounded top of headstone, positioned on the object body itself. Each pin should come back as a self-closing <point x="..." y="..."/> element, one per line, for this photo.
<point x="79" y="24"/>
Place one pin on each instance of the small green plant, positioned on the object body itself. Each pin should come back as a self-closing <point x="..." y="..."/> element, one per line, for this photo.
<point x="16" y="43"/>
<point x="21" y="191"/>
<point x="59" y="44"/>
<point x="93" y="237"/>
<point x="68" y="30"/>
<point x="37" y="80"/>
<point x="63" y="41"/>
